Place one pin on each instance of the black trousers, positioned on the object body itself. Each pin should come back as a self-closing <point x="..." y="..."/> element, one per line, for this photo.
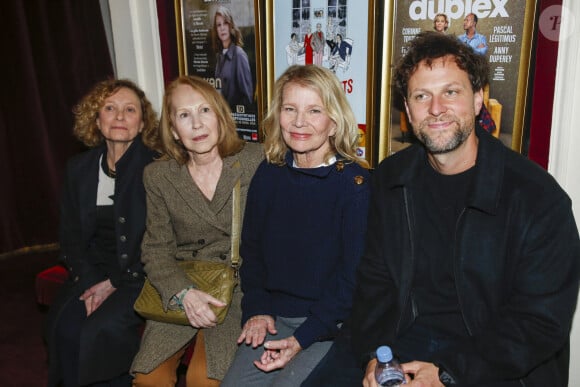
<point x="339" y="368"/>
<point x="96" y="349"/>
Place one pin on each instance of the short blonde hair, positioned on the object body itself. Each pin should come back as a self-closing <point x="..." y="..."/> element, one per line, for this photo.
<point x="444" y="16"/>
<point x="326" y="85"/>
<point x="229" y="142"/>
<point x="87" y="111"/>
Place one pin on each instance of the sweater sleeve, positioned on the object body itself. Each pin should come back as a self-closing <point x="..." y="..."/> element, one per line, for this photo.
<point x="256" y="299"/>
<point x="335" y="303"/>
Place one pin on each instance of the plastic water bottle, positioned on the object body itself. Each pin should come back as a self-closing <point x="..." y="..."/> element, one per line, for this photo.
<point x="388" y="371"/>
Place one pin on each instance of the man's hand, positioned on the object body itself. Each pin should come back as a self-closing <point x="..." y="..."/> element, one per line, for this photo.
<point x="370" y="380"/>
<point x="278" y="353"/>
<point x="422" y="374"/>
<point x="96" y="295"/>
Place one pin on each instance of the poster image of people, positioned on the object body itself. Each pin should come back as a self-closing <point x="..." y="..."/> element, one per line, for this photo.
<point x="496" y="29"/>
<point x="219" y="39"/>
<point x="327" y="33"/>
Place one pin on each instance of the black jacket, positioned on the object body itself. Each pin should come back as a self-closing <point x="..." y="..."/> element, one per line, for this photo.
<point x="78" y="215"/>
<point x="111" y="339"/>
<point x="516" y="267"/>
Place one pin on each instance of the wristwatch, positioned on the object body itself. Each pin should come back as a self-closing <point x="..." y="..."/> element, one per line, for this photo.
<point x="445" y="378"/>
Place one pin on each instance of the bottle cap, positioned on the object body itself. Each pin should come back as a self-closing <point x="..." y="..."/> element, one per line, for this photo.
<point x="384" y="354"/>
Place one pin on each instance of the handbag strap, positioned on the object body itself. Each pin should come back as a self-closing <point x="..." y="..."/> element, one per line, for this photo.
<point x="236" y="227"/>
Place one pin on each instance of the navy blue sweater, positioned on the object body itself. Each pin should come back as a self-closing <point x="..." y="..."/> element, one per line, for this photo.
<point x="302" y="239"/>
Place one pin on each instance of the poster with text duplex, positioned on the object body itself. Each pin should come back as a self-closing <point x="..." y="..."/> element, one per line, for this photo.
<point x="501" y="23"/>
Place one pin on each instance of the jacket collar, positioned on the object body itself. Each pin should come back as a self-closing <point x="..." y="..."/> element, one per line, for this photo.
<point x="316" y="172"/>
<point x="230" y="52"/>
<point x="488" y="180"/>
<point x="179" y="177"/>
<point x="485" y="190"/>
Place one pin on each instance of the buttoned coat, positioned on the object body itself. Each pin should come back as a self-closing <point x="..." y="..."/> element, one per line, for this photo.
<point x="183" y="225"/>
<point x="78" y="224"/>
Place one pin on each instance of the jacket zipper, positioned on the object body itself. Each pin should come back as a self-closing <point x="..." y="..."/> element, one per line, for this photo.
<point x="412" y="246"/>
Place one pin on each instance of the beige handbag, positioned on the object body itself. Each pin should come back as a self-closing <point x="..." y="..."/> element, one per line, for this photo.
<point x="214" y="278"/>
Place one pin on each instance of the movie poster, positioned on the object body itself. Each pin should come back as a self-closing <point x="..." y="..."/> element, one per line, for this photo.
<point x="328" y="33"/>
<point x="219" y="39"/>
<point x="502" y="25"/>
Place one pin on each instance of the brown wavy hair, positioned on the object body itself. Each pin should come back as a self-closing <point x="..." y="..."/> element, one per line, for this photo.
<point x="87" y="110"/>
<point x="326" y="85"/>
<point x="229" y="143"/>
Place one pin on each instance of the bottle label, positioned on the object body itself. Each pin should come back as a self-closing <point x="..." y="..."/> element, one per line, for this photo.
<point x="390" y="377"/>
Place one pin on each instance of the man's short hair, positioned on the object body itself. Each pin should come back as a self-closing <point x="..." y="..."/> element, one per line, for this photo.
<point x="430" y="45"/>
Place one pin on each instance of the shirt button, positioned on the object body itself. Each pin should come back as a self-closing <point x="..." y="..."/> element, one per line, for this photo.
<point x="194" y="253"/>
<point x="121" y="219"/>
<point x="223" y="256"/>
<point x="201" y="241"/>
<point x="124" y="256"/>
<point x="135" y="274"/>
<point x="123" y="238"/>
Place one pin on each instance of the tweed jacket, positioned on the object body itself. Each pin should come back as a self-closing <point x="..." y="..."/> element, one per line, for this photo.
<point x="183" y="225"/>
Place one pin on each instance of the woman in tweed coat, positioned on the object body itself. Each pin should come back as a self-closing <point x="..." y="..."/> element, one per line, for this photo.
<point x="189" y="212"/>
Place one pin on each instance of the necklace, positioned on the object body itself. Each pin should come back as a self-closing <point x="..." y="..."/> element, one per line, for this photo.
<point x="111" y="172"/>
<point x="108" y="171"/>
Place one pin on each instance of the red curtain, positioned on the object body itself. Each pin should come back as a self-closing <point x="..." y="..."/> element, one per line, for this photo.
<point x="542" y="101"/>
<point x="53" y="52"/>
<point x="168" y="37"/>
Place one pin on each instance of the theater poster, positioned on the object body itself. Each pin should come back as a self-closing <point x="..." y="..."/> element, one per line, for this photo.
<point x="507" y="25"/>
<point x="336" y="34"/>
<point x="229" y="59"/>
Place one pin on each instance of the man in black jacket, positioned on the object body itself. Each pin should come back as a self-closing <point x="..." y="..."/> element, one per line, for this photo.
<point x="472" y="259"/>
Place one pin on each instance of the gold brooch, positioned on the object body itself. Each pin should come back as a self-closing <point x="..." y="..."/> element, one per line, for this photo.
<point x="358" y="180"/>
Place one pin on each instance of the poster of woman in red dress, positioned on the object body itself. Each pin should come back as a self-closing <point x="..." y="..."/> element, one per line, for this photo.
<point x="309" y="53"/>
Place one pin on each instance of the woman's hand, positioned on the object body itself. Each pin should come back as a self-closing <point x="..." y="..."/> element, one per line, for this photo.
<point x="96" y="295"/>
<point x="256" y="328"/>
<point x="196" y="305"/>
<point x="278" y="353"/>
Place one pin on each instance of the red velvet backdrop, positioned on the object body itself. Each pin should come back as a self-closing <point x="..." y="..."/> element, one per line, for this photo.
<point x="543" y="94"/>
<point x="53" y="52"/>
<point x="168" y="38"/>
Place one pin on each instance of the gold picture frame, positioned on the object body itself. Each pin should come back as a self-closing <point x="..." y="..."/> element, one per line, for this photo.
<point x="344" y="17"/>
<point x="509" y="33"/>
<point x="197" y="55"/>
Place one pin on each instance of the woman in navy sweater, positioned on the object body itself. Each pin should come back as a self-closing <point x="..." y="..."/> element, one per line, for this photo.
<point x="303" y="231"/>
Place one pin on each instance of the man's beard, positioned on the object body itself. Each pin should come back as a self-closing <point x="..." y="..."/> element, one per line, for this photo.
<point x="445" y="141"/>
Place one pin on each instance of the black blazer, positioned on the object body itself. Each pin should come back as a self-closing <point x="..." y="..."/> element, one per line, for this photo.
<point x="78" y="215"/>
<point x="78" y="251"/>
